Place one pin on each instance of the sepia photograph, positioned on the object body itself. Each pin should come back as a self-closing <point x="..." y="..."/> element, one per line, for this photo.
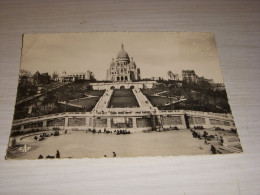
<point x="121" y="94"/>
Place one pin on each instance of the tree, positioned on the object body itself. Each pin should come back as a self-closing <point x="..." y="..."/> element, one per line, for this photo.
<point x="205" y="91"/>
<point x="170" y="74"/>
<point x="54" y="75"/>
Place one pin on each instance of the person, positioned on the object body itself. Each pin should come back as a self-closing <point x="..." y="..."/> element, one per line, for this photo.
<point x="205" y="134"/>
<point x="221" y="139"/>
<point x="58" y="154"/>
<point x="40" y="157"/>
<point x="51" y="157"/>
<point x="56" y="133"/>
<point x="205" y="140"/>
<point x="114" y="154"/>
<point x="213" y="150"/>
<point x="66" y="131"/>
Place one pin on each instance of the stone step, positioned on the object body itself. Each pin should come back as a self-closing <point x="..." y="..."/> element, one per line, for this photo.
<point x="11" y="149"/>
<point x="236" y="149"/>
<point x="231" y="149"/>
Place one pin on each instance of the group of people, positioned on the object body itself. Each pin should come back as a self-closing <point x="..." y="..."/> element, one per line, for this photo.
<point x="167" y="129"/>
<point x="100" y="131"/>
<point x="117" y="132"/>
<point x="44" y="135"/>
<point x="56" y="128"/>
<point x="196" y="134"/>
<point x="49" y="156"/>
<point x="198" y="127"/>
<point x="121" y="132"/>
<point x="114" y="155"/>
<point x="207" y="137"/>
<point x="174" y="128"/>
<point x="219" y="129"/>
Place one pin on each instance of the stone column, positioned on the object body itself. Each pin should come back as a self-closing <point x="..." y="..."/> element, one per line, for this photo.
<point x="153" y="121"/>
<point x="66" y="123"/>
<point x="134" y="122"/>
<point x="44" y="124"/>
<point x="90" y="121"/>
<point x="93" y="124"/>
<point x="207" y="122"/>
<point x="87" y="121"/>
<point x="108" y="123"/>
<point x="159" y="120"/>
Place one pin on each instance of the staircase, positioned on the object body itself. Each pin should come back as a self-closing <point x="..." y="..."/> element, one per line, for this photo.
<point x="231" y="149"/>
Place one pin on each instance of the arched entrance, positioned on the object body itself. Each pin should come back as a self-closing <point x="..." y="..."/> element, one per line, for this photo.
<point x="122" y="87"/>
<point x="112" y="87"/>
<point x="132" y="87"/>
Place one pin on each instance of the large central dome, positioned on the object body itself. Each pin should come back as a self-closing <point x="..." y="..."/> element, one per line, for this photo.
<point x="122" y="53"/>
<point x="123" y="69"/>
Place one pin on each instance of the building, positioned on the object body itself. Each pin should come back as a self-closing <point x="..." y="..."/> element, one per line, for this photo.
<point x="172" y="76"/>
<point x="55" y="76"/>
<point x="219" y="87"/>
<point x="123" y="69"/>
<point x="137" y="116"/>
<point x="73" y="76"/>
<point x="203" y="79"/>
<point x="43" y="78"/>
<point x="189" y="76"/>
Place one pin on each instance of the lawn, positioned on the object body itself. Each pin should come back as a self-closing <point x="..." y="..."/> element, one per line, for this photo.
<point x="95" y="92"/>
<point x="123" y="98"/>
<point x="158" y="100"/>
<point x="88" y="103"/>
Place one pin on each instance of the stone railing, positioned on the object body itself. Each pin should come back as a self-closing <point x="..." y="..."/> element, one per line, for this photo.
<point x="51" y="116"/>
<point x="210" y="114"/>
<point x="124" y="112"/>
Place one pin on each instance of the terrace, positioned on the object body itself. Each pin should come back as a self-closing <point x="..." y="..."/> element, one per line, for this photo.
<point x="170" y="143"/>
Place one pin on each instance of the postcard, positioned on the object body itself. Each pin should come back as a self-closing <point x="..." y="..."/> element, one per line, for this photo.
<point x="121" y="94"/>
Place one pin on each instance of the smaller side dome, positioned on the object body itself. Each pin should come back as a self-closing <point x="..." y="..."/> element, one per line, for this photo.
<point x="132" y="63"/>
<point x="113" y="62"/>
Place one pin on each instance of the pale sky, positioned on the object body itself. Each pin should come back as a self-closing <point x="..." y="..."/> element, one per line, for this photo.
<point x="154" y="53"/>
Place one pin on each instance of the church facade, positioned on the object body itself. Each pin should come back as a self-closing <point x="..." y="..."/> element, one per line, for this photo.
<point x="123" y="69"/>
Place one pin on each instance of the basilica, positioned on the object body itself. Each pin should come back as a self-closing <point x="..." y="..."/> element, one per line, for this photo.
<point x="123" y="69"/>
